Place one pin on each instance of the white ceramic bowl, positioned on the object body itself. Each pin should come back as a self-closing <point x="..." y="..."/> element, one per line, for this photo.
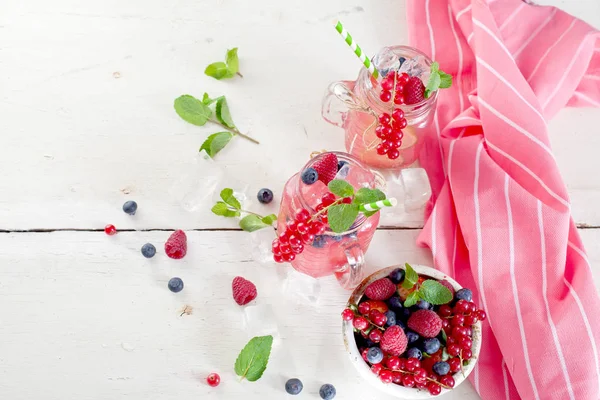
<point x="364" y="369"/>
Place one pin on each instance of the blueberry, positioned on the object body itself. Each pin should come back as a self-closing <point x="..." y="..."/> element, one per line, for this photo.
<point x="402" y="60"/>
<point x="391" y="318"/>
<point x="341" y="164"/>
<point x="413" y="352"/>
<point x="395" y="303"/>
<point x="401" y="324"/>
<point x="423" y="305"/>
<point x="309" y="176"/>
<point x="337" y="238"/>
<point x="430" y="346"/>
<point x="327" y="391"/>
<point x="130" y="207"/>
<point x="148" y="250"/>
<point x="265" y="195"/>
<point x="464" y="294"/>
<point x="374" y="355"/>
<point x="441" y="368"/>
<point x="369" y="342"/>
<point x="319" y="242"/>
<point x="405" y="314"/>
<point x="412" y="336"/>
<point x="294" y="386"/>
<point x="175" y="285"/>
<point x="397" y="275"/>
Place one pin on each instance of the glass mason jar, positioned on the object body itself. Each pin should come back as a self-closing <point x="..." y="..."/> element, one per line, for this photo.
<point x="355" y="106"/>
<point x="340" y="254"/>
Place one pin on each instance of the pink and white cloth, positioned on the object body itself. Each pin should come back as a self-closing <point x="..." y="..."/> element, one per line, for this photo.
<point x="501" y="221"/>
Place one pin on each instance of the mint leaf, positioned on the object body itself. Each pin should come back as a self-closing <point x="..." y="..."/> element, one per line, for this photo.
<point x="412" y="299"/>
<point x="232" y="60"/>
<point x="341" y="188"/>
<point x="222" y="112"/>
<point x="218" y="70"/>
<point x="251" y="223"/>
<point x="192" y="110"/>
<point x="252" y="360"/>
<point x="269" y="219"/>
<point x="435" y="293"/>
<point x="216" y="142"/>
<point x="410" y="277"/>
<point x="366" y="195"/>
<point x="223" y="210"/>
<point x="229" y="198"/>
<point x="433" y="84"/>
<point x="435" y="66"/>
<point x="342" y="216"/>
<point x="208" y="101"/>
<point x="446" y="80"/>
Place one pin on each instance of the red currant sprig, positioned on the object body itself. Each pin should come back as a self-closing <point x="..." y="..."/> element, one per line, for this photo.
<point x="389" y="128"/>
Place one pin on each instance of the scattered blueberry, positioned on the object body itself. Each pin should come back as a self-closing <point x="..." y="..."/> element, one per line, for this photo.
<point x="397" y="275"/>
<point x="175" y="285"/>
<point x="130" y="207"/>
<point x="265" y="196"/>
<point x="148" y="250"/>
<point x="391" y="318"/>
<point x="412" y="336"/>
<point x="374" y="355"/>
<point x="423" y="305"/>
<point x="413" y="352"/>
<point x="294" y="386"/>
<point x="464" y="294"/>
<point x="402" y="60"/>
<point x="309" y="176"/>
<point x="319" y="242"/>
<point x="341" y="164"/>
<point x="430" y="346"/>
<point x="395" y="303"/>
<point x="441" y="368"/>
<point x="327" y="391"/>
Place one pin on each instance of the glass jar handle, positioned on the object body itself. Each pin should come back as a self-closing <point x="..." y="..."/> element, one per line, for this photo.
<point x="351" y="274"/>
<point x="338" y="99"/>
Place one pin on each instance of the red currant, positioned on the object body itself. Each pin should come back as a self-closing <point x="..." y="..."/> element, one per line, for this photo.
<point x="381" y="149"/>
<point x="470" y="320"/>
<point x="412" y="364"/>
<point x="444" y="311"/>
<point x="387" y="83"/>
<point x="324" y="218"/>
<point x="377" y="317"/>
<point x="376" y="368"/>
<point x="307" y="238"/>
<point x="447" y="380"/>
<point x="384" y="118"/>
<point x="386" y="130"/>
<point x="284" y="238"/>
<point x="445" y="323"/>
<point x="386" y="376"/>
<point x="379" y="132"/>
<point x="403" y="78"/>
<point x="459" y="331"/>
<point x="110" y="230"/>
<point x="453" y="349"/>
<point x="347" y="200"/>
<point x="302" y="228"/>
<point x="397" y="143"/>
<point x="472" y="307"/>
<point x="385" y="96"/>
<point x="481" y="315"/>
<point x="420" y="375"/>
<point x="454" y="364"/>
<point x="399" y="98"/>
<point x="360" y="323"/>
<point x="317" y="228"/>
<point x="451" y="340"/>
<point x="375" y="336"/>
<point x="400" y="124"/>
<point x="461" y="307"/>
<point x="295" y="241"/>
<point x="393" y="363"/>
<point x="466" y="354"/>
<point x="364" y="354"/>
<point x="408" y="381"/>
<point x="457" y="320"/>
<point x="275" y="247"/>
<point x="393" y="154"/>
<point x="328" y="199"/>
<point x="403" y="363"/>
<point x="213" y="380"/>
<point x="278" y="258"/>
<point x="289" y="257"/>
<point x="396" y="377"/>
<point x="398" y="114"/>
<point x="469" y="332"/>
<point x="364" y="307"/>
<point x="347" y="315"/>
<point x="421" y="385"/>
<point x="298" y="249"/>
<point x="302" y="215"/>
<point x="292" y="226"/>
<point x="465" y="343"/>
<point x="434" y="388"/>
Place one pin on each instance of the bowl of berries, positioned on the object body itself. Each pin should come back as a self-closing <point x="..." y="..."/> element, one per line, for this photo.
<point x="412" y="331"/>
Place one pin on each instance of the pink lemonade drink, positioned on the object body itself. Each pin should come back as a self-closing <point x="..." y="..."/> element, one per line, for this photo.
<point x="357" y="108"/>
<point x="324" y="251"/>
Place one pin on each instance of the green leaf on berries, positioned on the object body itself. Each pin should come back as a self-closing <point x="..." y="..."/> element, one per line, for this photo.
<point x="229" y="198"/>
<point x="192" y="110"/>
<point x="251" y="223"/>
<point x="232" y="60"/>
<point x="435" y="293"/>
<point x="219" y="70"/>
<point x="216" y="142"/>
<point x="342" y="216"/>
<point x="412" y="299"/>
<point x="269" y="219"/>
<point x="445" y="338"/>
<point x="222" y="112"/>
<point x="410" y="277"/>
<point x="224" y="210"/>
<point x="254" y="357"/>
<point x="341" y="188"/>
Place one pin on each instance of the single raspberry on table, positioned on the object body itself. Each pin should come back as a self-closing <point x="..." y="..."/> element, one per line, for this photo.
<point x="426" y="323"/>
<point x="326" y="167"/>
<point x="414" y="91"/>
<point x="244" y="291"/>
<point x="394" y="341"/>
<point x="381" y="289"/>
<point x="176" y="245"/>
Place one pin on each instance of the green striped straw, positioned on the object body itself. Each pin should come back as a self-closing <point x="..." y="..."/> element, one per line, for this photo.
<point x="378" y="205"/>
<point x="357" y="50"/>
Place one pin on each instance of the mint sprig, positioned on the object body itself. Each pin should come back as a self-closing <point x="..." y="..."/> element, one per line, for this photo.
<point x="438" y="79"/>
<point x="254" y="357"/>
<point x="230" y="207"/>
<point x="225" y="70"/>
<point x="430" y="290"/>
<point x="216" y="111"/>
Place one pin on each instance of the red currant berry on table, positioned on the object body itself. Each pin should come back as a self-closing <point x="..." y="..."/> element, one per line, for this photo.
<point x="454" y="364"/>
<point x="447" y="380"/>
<point x="347" y="315"/>
<point x="375" y="336"/>
<point x="393" y="154"/>
<point x="481" y="315"/>
<point x="302" y="215"/>
<point x="397" y="114"/>
<point x="364" y="307"/>
<point x="434" y="388"/>
<point x="213" y="380"/>
<point x="386" y="376"/>
<point x="376" y="368"/>
<point x="384" y="118"/>
<point x="393" y="363"/>
<point x="385" y="96"/>
<point x="360" y="323"/>
<point x="408" y="381"/>
<point x="110" y="230"/>
<point x="328" y="199"/>
<point x="466" y="354"/>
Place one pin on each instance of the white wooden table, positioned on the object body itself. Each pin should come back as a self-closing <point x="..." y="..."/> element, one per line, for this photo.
<point x="86" y="116"/>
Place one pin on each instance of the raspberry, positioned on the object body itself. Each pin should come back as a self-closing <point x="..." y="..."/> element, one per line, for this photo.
<point x="394" y="341"/>
<point x="244" y="291"/>
<point x="176" y="245"/>
<point x="426" y="323"/>
<point x="381" y="289"/>
<point x="414" y="91"/>
<point x="326" y="167"/>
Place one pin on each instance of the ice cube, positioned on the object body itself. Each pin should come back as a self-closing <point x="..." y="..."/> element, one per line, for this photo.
<point x="343" y="172"/>
<point x="385" y="61"/>
<point x="300" y="287"/>
<point x="260" y="320"/>
<point x="262" y="240"/>
<point x="414" y="67"/>
<point x="417" y="189"/>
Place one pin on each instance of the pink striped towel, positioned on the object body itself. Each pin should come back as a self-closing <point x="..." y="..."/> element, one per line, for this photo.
<point x="501" y="222"/>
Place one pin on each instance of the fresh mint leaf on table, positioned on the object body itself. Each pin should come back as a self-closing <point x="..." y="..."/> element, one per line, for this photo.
<point x="192" y="110"/>
<point x="222" y="112"/>
<point x="228" y="197"/>
<point x="253" y="222"/>
<point x="254" y="357"/>
<point x="437" y="80"/>
<point x="216" y="142"/>
<point x="230" y="207"/>
<point x="225" y="70"/>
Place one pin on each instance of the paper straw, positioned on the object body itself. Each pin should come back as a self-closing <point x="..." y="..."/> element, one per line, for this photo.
<point x="378" y="205"/>
<point x="357" y="50"/>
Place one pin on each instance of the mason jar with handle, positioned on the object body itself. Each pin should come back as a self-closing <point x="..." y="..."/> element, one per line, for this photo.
<point x="355" y="106"/>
